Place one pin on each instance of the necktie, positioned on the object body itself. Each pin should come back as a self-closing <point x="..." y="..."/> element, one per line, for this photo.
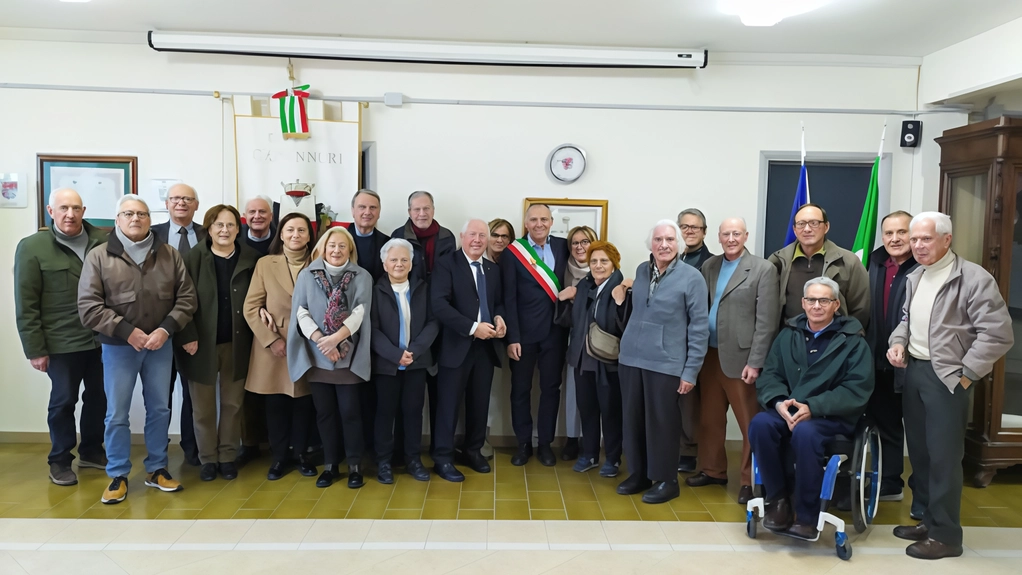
<point x="182" y="245"/>
<point x="484" y="306"/>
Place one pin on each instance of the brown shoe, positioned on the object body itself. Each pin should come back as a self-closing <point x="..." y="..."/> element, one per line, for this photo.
<point x="918" y="532"/>
<point x="807" y="532"/>
<point x="701" y="479"/>
<point x="778" y="516"/>
<point x="744" y="494"/>
<point x="116" y="491"/>
<point x="161" y="479"/>
<point x="932" y="549"/>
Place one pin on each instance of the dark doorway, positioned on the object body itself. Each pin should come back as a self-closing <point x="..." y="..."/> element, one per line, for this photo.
<point x="839" y="187"/>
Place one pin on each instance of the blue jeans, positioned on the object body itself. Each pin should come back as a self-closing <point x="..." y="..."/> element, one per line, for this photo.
<point x="122" y="366"/>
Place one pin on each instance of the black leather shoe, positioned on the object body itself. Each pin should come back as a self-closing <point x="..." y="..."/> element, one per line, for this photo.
<point x="355" y="477"/>
<point x="545" y="455"/>
<point x="417" y="470"/>
<point x="247" y="453"/>
<point x="208" y="472"/>
<point x="778" y="516"/>
<point x="800" y="531"/>
<point x="634" y="484"/>
<point x="662" y="492"/>
<point x="912" y="532"/>
<point x="228" y="471"/>
<point x="570" y="451"/>
<point x="702" y="480"/>
<point x="476" y="462"/>
<point x="744" y="494"/>
<point x="306" y="467"/>
<point x="326" y="479"/>
<point x="277" y="470"/>
<point x="932" y="549"/>
<point x="192" y="459"/>
<point x="686" y="464"/>
<point x="449" y="472"/>
<point x="521" y="457"/>
<point x="384" y="474"/>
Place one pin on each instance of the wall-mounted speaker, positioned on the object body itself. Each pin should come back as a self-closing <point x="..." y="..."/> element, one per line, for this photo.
<point x="911" y="131"/>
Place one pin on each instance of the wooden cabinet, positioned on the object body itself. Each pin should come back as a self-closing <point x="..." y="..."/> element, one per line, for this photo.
<point x="981" y="189"/>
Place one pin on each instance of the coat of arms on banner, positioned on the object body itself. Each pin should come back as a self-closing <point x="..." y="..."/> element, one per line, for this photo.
<point x="298" y="197"/>
<point x="294" y="119"/>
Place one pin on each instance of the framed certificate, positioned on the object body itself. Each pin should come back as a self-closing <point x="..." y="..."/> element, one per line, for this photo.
<point x="99" y="180"/>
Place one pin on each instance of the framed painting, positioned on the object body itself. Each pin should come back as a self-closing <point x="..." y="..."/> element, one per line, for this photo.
<point x="568" y="214"/>
<point x="99" y="180"/>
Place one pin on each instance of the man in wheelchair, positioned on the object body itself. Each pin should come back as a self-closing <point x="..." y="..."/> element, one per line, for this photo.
<point x="815" y="385"/>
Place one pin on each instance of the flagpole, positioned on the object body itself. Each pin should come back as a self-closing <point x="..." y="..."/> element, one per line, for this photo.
<point x="883" y="136"/>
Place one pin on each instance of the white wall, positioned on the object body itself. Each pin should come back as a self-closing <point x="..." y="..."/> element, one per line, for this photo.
<point x="478" y="161"/>
<point x="982" y="61"/>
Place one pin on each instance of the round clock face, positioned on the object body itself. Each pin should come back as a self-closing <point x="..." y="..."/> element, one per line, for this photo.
<point x="566" y="163"/>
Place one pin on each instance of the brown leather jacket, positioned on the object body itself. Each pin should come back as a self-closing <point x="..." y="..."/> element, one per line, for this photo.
<point x="115" y="295"/>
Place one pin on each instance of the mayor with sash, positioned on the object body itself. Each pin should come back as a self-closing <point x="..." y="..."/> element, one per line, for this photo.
<point x="532" y="271"/>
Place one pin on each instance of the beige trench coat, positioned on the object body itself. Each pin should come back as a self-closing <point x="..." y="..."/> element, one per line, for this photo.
<point x="271" y="288"/>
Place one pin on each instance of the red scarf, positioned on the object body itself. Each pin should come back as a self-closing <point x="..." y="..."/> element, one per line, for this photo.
<point x="427" y="238"/>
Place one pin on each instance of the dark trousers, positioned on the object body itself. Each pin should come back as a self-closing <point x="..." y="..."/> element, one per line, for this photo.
<point x="935" y="422"/>
<point x="771" y="442"/>
<point x="253" y="420"/>
<point x="405" y="390"/>
<point x="431" y="388"/>
<point x="288" y="423"/>
<point x="337" y="406"/>
<point x="67" y="371"/>
<point x="884" y="410"/>
<point x="549" y="356"/>
<point x="188" y="444"/>
<point x="599" y="402"/>
<point x="652" y="422"/>
<point x="471" y="382"/>
<point x="367" y="404"/>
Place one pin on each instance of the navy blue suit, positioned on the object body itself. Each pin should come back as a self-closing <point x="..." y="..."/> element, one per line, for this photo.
<point x="530" y="322"/>
<point x="466" y="363"/>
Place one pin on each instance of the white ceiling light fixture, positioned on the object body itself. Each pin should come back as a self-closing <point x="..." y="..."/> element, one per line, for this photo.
<point x="333" y="48"/>
<point x="76" y="1"/>
<point x="767" y="12"/>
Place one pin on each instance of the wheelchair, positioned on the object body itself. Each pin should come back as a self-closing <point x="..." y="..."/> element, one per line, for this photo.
<point x="863" y="452"/>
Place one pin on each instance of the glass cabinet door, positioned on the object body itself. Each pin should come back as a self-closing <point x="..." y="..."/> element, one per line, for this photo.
<point x="968" y="215"/>
<point x="1011" y="411"/>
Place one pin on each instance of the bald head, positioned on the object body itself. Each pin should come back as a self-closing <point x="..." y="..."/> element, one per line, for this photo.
<point x="733" y="233"/>
<point x="67" y="211"/>
<point x="182" y="201"/>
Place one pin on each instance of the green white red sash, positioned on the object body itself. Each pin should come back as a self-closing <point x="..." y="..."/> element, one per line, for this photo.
<point x="541" y="272"/>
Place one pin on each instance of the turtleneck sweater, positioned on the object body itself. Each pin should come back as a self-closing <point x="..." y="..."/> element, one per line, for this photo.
<point x="77" y="243"/>
<point x="921" y="306"/>
<point x="137" y="251"/>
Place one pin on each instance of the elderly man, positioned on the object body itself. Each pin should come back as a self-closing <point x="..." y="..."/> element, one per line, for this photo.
<point x="955" y="326"/>
<point x="182" y="233"/>
<point x="889" y="266"/>
<point x="365" y="213"/>
<point x="692" y="224"/>
<point x="662" y="351"/>
<point x="466" y="299"/>
<point x="47" y="265"/>
<point x="136" y="293"/>
<point x="815" y="386"/>
<point x="743" y="322"/>
<point x="812" y="255"/>
<point x="532" y="270"/>
<point x="258" y="230"/>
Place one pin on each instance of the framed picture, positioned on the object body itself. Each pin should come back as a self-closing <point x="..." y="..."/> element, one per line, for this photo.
<point x="99" y="180"/>
<point x="570" y="213"/>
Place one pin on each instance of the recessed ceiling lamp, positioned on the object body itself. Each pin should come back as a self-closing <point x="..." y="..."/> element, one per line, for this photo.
<point x="767" y="12"/>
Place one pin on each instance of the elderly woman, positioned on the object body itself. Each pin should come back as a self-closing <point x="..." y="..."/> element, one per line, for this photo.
<point x="214" y="348"/>
<point x="502" y="233"/>
<point x="289" y="411"/>
<point x="403" y="331"/>
<point x="662" y="351"/>
<point x="328" y="342"/>
<point x="579" y="239"/>
<point x="597" y="388"/>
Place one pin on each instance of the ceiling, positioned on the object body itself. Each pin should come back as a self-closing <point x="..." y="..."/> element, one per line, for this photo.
<point x="859" y="27"/>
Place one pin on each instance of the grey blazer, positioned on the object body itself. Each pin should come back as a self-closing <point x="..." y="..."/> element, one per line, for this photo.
<point x="748" y="313"/>
<point x="667" y="333"/>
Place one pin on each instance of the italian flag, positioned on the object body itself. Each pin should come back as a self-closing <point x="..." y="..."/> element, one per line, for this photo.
<point x="294" y="121"/>
<point x="864" y="238"/>
<point x="541" y="272"/>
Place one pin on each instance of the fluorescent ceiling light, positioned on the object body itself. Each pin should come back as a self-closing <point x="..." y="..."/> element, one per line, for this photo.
<point x="334" y="48"/>
<point x="767" y="12"/>
<point x="76" y="1"/>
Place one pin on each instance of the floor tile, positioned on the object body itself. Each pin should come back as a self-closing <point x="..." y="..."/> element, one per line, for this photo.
<point x="367" y="509"/>
<point x="483" y="482"/>
<point x="549" y="515"/>
<point x="457" y="531"/>
<point x="398" y="531"/>
<point x="584" y="510"/>
<point x="511" y="491"/>
<point x="476" y="500"/>
<point x="440" y="509"/>
<point x="346" y="531"/>
<point x="545" y="500"/>
<point x="482" y="514"/>
<point x="512" y="509"/>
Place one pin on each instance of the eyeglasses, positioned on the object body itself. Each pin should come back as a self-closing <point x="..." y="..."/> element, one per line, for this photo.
<point x="823" y="301"/>
<point x="501" y="237"/>
<point x="813" y="224"/>
<point x="584" y="242"/>
<point x="688" y="228"/>
<point x="66" y="209"/>
<point x="128" y="214"/>
<point x="181" y="200"/>
<point x="221" y="225"/>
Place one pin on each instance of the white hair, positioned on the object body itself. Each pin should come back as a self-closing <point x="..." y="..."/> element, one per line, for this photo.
<point x="941" y="222"/>
<point x="266" y="199"/>
<point x="396" y="243"/>
<point x="670" y="223"/>
<point x="130" y="198"/>
<point x="464" y="228"/>
<point x="835" y="291"/>
<point x="53" y="195"/>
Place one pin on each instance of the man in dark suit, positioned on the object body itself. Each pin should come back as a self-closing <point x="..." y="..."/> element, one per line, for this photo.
<point x="466" y="297"/>
<point x="258" y="230"/>
<point x="532" y="273"/>
<point x="182" y="233"/>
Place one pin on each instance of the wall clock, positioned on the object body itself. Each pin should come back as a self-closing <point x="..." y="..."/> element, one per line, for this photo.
<point x="566" y="163"/>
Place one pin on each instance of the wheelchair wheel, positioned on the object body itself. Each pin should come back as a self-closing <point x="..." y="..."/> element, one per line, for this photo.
<point x="866" y="469"/>
<point x="844" y="552"/>
<point x="858" y="481"/>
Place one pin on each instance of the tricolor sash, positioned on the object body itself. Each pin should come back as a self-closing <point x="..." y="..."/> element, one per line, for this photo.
<point x="542" y="273"/>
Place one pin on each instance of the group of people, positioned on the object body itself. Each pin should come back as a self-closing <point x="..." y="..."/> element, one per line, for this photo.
<point x="337" y="336"/>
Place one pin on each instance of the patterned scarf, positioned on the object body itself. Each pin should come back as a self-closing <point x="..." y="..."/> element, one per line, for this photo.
<point x="337" y="308"/>
<point x="427" y="238"/>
